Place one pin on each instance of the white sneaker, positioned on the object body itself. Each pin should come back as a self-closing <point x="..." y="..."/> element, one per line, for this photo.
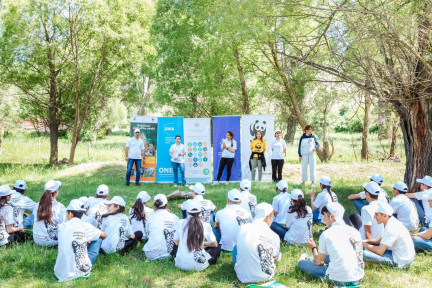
<point x="215" y="183"/>
<point x="226" y="183"/>
<point x="175" y="185"/>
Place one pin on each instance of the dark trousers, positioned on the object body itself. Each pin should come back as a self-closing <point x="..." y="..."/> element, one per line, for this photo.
<point x="356" y="220"/>
<point x="277" y="165"/>
<point x="18" y="237"/>
<point x="131" y="242"/>
<point x="214" y="252"/>
<point x="225" y="162"/>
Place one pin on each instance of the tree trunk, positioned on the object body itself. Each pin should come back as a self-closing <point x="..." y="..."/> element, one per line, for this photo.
<point x="245" y="107"/>
<point x="145" y="96"/>
<point x="395" y="128"/>
<point x="324" y="128"/>
<point x="365" y="135"/>
<point x="95" y="133"/>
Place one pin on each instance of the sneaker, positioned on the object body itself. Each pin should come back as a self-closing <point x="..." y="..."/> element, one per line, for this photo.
<point x="138" y="184"/>
<point x="226" y="183"/>
<point x="127" y="184"/>
<point x="215" y="183"/>
<point x="175" y="185"/>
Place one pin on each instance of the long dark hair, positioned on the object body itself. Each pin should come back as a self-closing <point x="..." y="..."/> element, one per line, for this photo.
<point x="119" y="210"/>
<point x="138" y="210"/>
<point x="45" y="206"/>
<point x="329" y="191"/>
<point x="195" y="234"/>
<point x="232" y="137"/>
<point x="3" y="202"/>
<point x="299" y="206"/>
<point x="158" y="205"/>
<point x="262" y="136"/>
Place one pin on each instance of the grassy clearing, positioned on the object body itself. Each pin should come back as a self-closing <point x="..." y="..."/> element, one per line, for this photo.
<point x="29" y="265"/>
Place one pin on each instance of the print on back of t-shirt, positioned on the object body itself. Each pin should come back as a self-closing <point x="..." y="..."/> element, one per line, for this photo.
<point x="359" y="251"/>
<point x="206" y="215"/>
<point x="16" y="211"/>
<point x="52" y="228"/>
<point x="98" y="217"/>
<point x="80" y="253"/>
<point x="169" y="238"/>
<point x="309" y="224"/>
<point x="121" y="242"/>
<point x="199" y="257"/>
<point x="241" y="221"/>
<point x="265" y="256"/>
<point x="252" y="209"/>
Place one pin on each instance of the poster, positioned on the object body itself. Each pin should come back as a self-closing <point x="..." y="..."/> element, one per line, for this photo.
<point x="168" y="128"/>
<point x="249" y="125"/>
<point x="222" y="124"/>
<point x="148" y="128"/>
<point x="197" y="142"/>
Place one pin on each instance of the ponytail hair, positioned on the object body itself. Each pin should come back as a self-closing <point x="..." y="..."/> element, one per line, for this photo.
<point x="329" y="191"/>
<point x="138" y="210"/>
<point x="195" y="232"/>
<point x="299" y="206"/>
<point x="119" y="210"/>
<point x="232" y="137"/>
<point x="158" y="205"/>
<point x="44" y="212"/>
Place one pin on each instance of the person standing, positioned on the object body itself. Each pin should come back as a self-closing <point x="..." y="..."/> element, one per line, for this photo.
<point x="306" y="150"/>
<point x="134" y="154"/>
<point x="278" y="147"/>
<point x="177" y="152"/>
<point x="257" y="159"/>
<point x="229" y="146"/>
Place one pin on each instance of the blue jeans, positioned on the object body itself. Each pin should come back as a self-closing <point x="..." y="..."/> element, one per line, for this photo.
<point x="278" y="229"/>
<point x="28" y="221"/>
<point x="129" y="170"/>
<point x="422" y="244"/>
<point x="176" y="167"/>
<point x="384" y="259"/>
<point x="234" y="254"/>
<point x="93" y="250"/>
<point x="420" y="210"/>
<point x="315" y="214"/>
<point x="359" y="204"/>
<point x="217" y="233"/>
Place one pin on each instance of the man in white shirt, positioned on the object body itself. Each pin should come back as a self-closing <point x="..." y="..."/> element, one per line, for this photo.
<point x="257" y="247"/>
<point x="396" y="247"/>
<point x="229" y="219"/>
<point x="342" y="245"/>
<point x="248" y="200"/>
<point x="358" y="199"/>
<point x="177" y="152"/>
<point x="280" y="204"/>
<point x="423" y="238"/>
<point x="20" y="203"/>
<point x="420" y="199"/>
<point x="134" y="154"/>
<point x="404" y="209"/>
<point x="208" y="208"/>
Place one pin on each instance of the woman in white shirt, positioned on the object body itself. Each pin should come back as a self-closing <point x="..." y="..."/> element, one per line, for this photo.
<point x="177" y="152"/>
<point x="299" y="220"/>
<point x="195" y="244"/>
<point x="229" y="146"/>
<point x="326" y="196"/>
<point x="8" y="230"/>
<point x="139" y="213"/>
<point x="278" y="147"/>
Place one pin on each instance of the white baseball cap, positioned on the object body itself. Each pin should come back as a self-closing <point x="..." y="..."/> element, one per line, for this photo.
<point x="198" y="188"/>
<point x="234" y="195"/>
<point x="377" y="178"/>
<point x="5" y="190"/>
<point x="137" y="130"/>
<point x="262" y="210"/>
<point x="372" y="187"/>
<point x="144" y="196"/>
<point x="102" y="190"/>
<point x="116" y="200"/>
<point x="194" y="206"/>
<point x="337" y="210"/>
<point x="384" y="208"/>
<point x="325" y="180"/>
<point x="245" y="185"/>
<point x="162" y="198"/>
<point x="282" y="184"/>
<point x="400" y="186"/>
<point x="76" y="205"/>
<point x="84" y="199"/>
<point x="52" y="185"/>
<point x="295" y="193"/>
<point x="426" y="180"/>
<point x="20" y="184"/>
<point x="277" y="130"/>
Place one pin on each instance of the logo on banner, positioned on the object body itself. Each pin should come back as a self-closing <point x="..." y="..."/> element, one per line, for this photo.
<point x="169" y="128"/>
<point x="258" y="125"/>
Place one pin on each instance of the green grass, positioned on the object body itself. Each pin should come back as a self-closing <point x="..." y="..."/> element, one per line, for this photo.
<point x="28" y="265"/>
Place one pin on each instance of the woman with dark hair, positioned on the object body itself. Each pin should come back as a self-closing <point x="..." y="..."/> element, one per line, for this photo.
<point x="229" y="146"/>
<point x="161" y="228"/>
<point x="139" y="213"/>
<point x="299" y="220"/>
<point x="177" y="152"/>
<point x="49" y="215"/>
<point x="326" y="196"/>
<point x="195" y="243"/>
<point x="278" y="147"/>
<point x="307" y="146"/>
<point x="257" y="159"/>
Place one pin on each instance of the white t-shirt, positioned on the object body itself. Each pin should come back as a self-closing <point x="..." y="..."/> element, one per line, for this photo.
<point x="424" y="196"/>
<point x="72" y="259"/>
<point x="45" y="233"/>
<point x="248" y="202"/>
<point x="175" y="150"/>
<point x="161" y="225"/>
<point x="89" y="220"/>
<point x="117" y="227"/>
<point x="322" y="200"/>
<point x="6" y="218"/>
<point x="230" y="219"/>
<point x="97" y="208"/>
<point x="368" y="218"/>
<point x="195" y="260"/>
<point x="299" y="229"/>
<point x="381" y="197"/>
<point x="406" y="211"/>
<point x="20" y="203"/>
<point x="135" y="147"/>
<point x="3" y="233"/>
<point x="207" y="207"/>
<point x="142" y="224"/>
<point x="225" y="152"/>
<point x="398" y="240"/>
<point x="344" y="246"/>
<point x="257" y="245"/>
<point x="275" y="201"/>
<point x="278" y="147"/>
<point x="282" y="207"/>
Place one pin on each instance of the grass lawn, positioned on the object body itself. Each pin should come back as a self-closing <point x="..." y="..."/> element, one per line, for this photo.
<point x="29" y="265"/>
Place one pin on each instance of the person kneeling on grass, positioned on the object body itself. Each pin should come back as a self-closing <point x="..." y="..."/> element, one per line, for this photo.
<point x="139" y="213"/>
<point x="257" y="247"/>
<point x="75" y="259"/>
<point x="299" y="220"/>
<point x="343" y="265"/>
<point x="396" y="247"/>
<point x="208" y="207"/>
<point x="195" y="244"/>
<point x="423" y="238"/>
<point x="120" y="236"/>
<point x="281" y="203"/>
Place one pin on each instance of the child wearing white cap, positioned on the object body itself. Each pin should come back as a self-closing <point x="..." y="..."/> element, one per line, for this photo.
<point x="339" y="257"/>
<point x="84" y="217"/>
<point x="423" y="238"/>
<point x="396" y="247"/>
<point x="299" y="220"/>
<point x="75" y="259"/>
<point x="278" y="147"/>
<point x="420" y="199"/>
<point x="229" y="219"/>
<point x="195" y="244"/>
<point x="20" y="203"/>
<point x="256" y="248"/>
<point x="248" y="200"/>
<point x="208" y="208"/>
<point x="97" y="205"/>
<point x="403" y="207"/>
<point x="326" y="196"/>
<point x="120" y="236"/>
<point x="139" y="213"/>
<point x="281" y="203"/>
<point x="48" y="215"/>
<point x="161" y="228"/>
